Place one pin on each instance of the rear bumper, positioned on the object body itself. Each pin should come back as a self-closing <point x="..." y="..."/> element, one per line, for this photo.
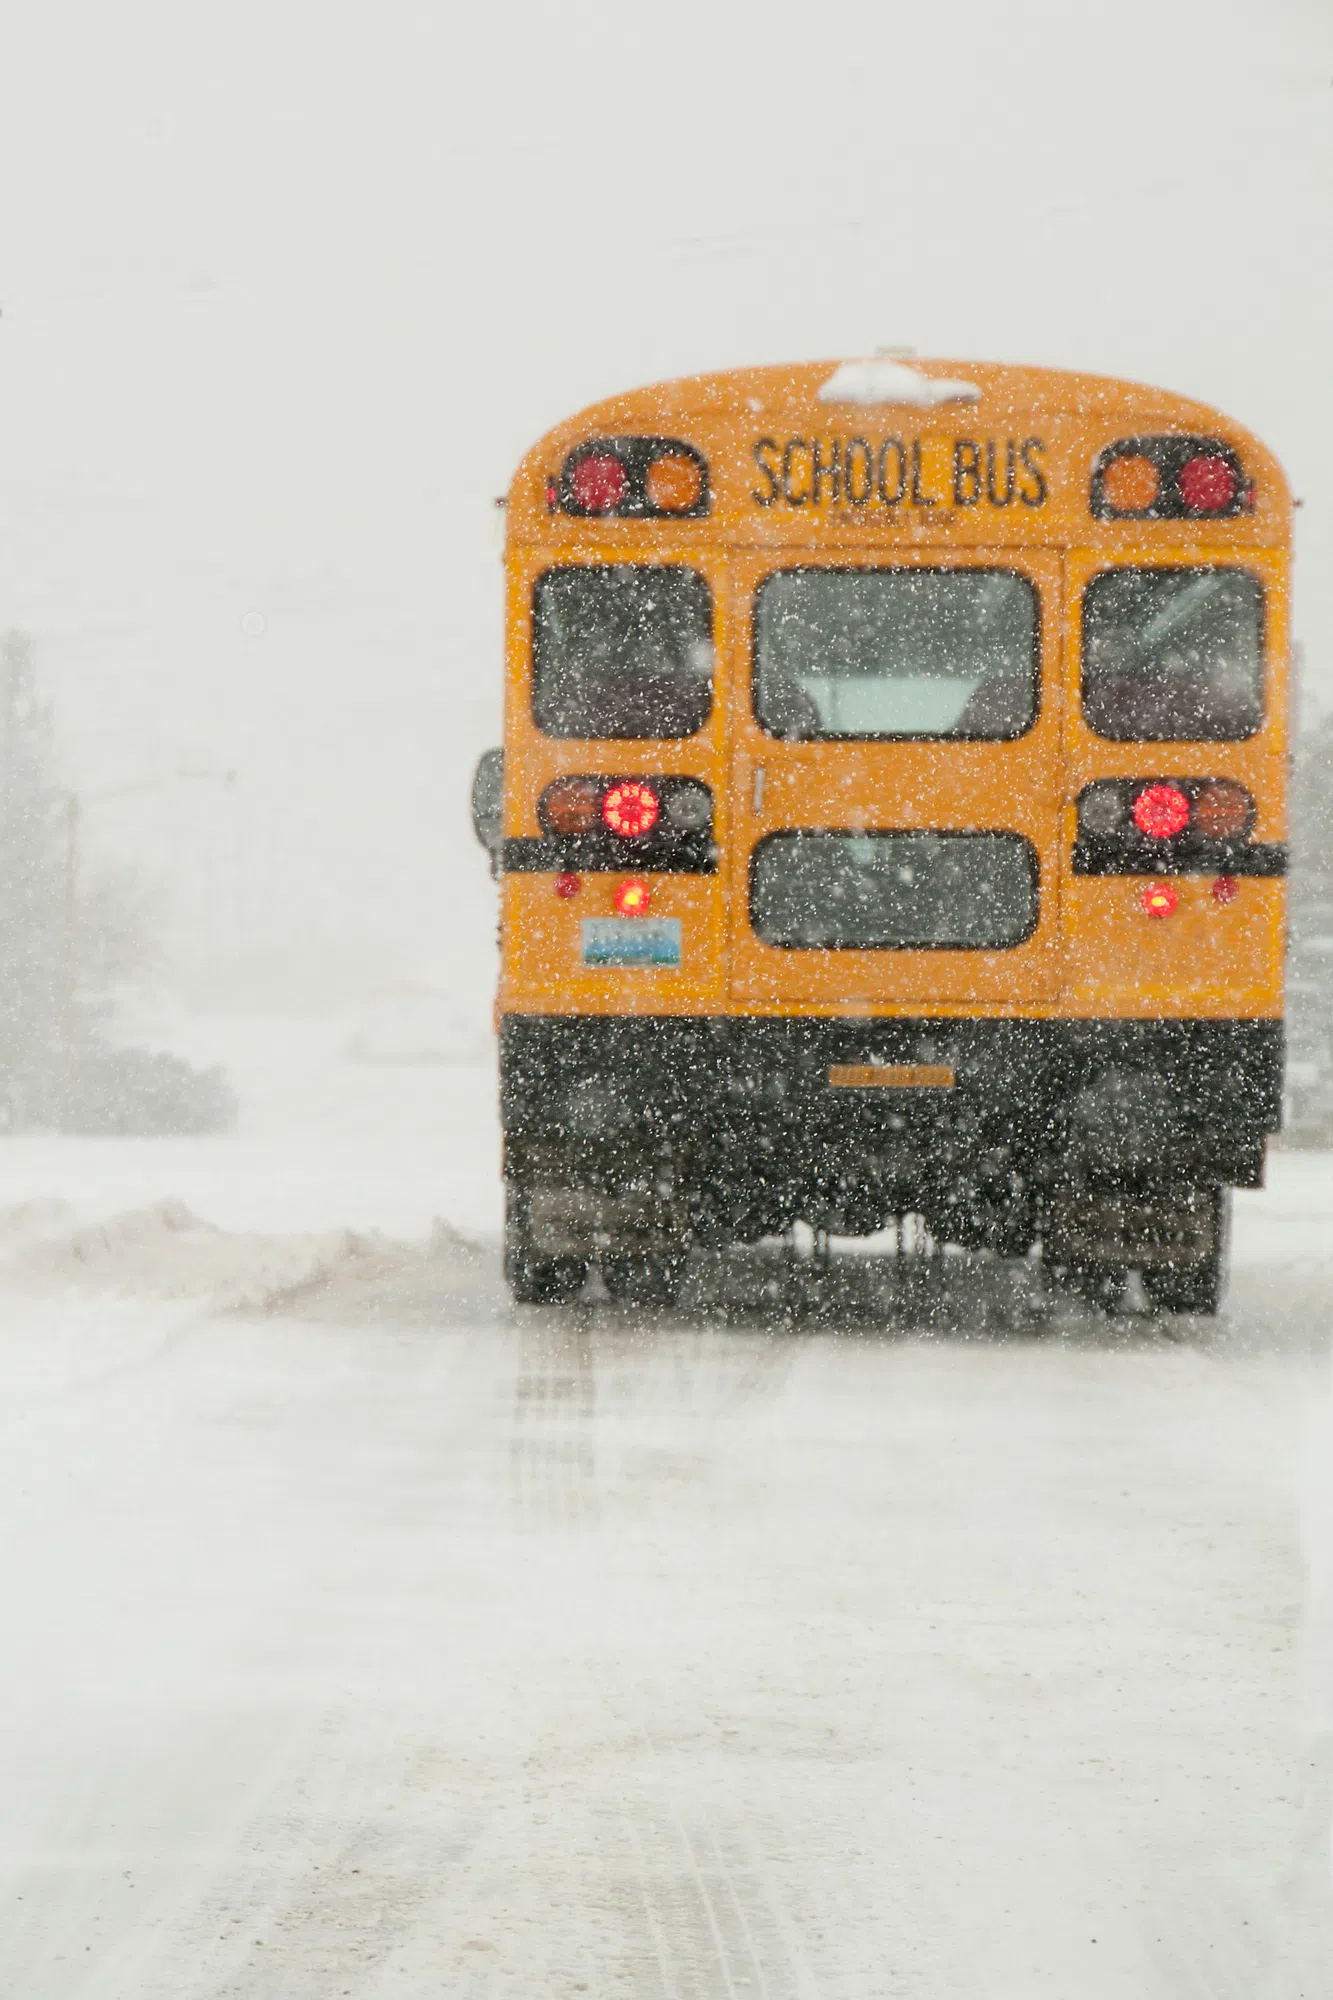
<point x="750" y="1103"/>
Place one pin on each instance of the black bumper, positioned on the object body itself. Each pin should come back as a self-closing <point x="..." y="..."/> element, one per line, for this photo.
<point x="750" y="1100"/>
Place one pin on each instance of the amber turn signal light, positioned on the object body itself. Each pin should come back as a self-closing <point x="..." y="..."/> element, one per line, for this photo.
<point x="1222" y="809"/>
<point x="1130" y="485"/>
<point x="571" y="805"/>
<point x="674" y="483"/>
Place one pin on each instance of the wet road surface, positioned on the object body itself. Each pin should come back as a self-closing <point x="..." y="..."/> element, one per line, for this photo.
<point x="921" y="1642"/>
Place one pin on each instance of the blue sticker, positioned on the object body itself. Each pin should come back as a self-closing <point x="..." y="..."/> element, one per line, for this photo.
<point x="630" y="941"/>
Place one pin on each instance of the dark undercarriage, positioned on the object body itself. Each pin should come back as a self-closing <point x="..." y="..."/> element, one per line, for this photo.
<point x="1109" y="1141"/>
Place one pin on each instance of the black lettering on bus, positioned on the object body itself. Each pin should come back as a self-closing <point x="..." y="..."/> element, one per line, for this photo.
<point x="770" y="472"/>
<point x="830" y="469"/>
<point x="789" y="451"/>
<point x="1000" y="499"/>
<point x="881" y="486"/>
<point x="1037" y="497"/>
<point x="859" y="453"/>
<point x="919" y="499"/>
<point x="966" y="472"/>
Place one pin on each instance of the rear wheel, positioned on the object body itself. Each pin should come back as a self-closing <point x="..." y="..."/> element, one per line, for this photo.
<point x="644" y="1277"/>
<point x="534" y="1279"/>
<point x="1197" y="1287"/>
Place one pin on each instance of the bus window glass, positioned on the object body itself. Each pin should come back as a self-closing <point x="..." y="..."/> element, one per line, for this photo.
<point x="878" y="891"/>
<point x="896" y="652"/>
<point x="622" y="651"/>
<point x="1173" y="655"/>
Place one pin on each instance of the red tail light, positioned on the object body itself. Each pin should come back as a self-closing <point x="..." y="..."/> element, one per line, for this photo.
<point x="631" y="809"/>
<point x="599" y="483"/>
<point x="1161" y="811"/>
<point x="1208" y="483"/>
<point x="1159" y="900"/>
<point x="632" y="898"/>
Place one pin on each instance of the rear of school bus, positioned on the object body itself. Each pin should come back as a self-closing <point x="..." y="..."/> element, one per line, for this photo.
<point x="892" y="822"/>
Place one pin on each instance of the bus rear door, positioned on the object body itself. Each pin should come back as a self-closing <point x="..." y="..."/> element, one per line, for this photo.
<point x="896" y="781"/>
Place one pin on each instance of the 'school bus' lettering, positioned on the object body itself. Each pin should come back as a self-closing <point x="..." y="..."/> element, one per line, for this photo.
<point x="892" y="472"/>
<point x="952" y="703"/>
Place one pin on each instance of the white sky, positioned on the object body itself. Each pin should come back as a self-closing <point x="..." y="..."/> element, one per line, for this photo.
<point x="286" y="289"/>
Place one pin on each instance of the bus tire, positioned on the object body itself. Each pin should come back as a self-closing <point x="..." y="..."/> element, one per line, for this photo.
<point x="1101" y="1286"/>
<point x="1195" y="1288"/>
<point x="644" y="1277"/>
<point x="534" y="1280"/>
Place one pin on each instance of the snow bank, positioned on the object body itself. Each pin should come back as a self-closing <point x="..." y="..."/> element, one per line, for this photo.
<point x="165" y="1252"/>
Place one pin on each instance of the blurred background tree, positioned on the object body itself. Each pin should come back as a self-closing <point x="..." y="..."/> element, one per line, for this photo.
<point x="1310" y="940"/>
<point x="68" y="945"/>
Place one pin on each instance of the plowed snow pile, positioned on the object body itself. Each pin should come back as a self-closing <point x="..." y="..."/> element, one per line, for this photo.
<point x="164" y="1252"/>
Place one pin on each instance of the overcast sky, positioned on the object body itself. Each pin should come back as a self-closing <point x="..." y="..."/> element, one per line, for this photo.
<point x="285" y="290"/>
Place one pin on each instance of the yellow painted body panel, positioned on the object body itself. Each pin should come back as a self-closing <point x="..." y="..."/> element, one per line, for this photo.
<point x="1095" y="953"/>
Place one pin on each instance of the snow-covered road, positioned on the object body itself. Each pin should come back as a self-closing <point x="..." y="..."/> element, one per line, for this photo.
<point x="392" y="1642"/>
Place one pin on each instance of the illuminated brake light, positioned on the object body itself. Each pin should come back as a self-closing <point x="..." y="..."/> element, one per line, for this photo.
<point x="631" y="809"/>
<point x="599" y="483"/>
<point x="632" y="898"/>
<point x="1161" y="811"/>
<point x="1207" y="484"/>
<point x="1159" y="899"/>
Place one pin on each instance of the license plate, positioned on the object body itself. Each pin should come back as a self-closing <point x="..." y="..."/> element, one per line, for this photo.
<point x="631" y="941"/>
<point x="891" y="1076"/>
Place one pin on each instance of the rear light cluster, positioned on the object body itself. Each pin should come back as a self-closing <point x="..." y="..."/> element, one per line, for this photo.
<point x="1169" y="479"/>
<point x="630" y="807"/>
<point x="609" y="822"/>
<point x="638" y="478"/>
<point x="1131" y="825"/>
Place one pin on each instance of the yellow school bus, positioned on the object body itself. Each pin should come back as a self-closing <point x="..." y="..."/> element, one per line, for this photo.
<point x="891" y="820"/>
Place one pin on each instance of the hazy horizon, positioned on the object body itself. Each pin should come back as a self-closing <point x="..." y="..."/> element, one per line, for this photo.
<point x="284" y="296"/>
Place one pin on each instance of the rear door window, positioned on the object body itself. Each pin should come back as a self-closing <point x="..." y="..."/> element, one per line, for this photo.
<point x="874" y="653"/>
<point x="884" y="891"/>
<point x="1173" y="655"/>
<point x="622" y="650"/>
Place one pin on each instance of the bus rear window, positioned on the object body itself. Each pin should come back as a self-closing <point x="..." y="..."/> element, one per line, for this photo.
<point x="623" y="650"/>
<point x="1173" y="655"/>
<point x="896" y="652"/>
<point x="885" y="891"/>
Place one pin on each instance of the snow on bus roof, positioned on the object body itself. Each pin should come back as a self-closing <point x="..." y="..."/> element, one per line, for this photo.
<point x="884" y="381"/>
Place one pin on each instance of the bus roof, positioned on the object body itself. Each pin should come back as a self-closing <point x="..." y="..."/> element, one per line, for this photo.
<point x="938" y="451"/>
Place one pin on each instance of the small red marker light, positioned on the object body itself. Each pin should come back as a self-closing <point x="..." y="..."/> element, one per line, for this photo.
<point x="633" y="897"/>
<point x="1225" y="889"/>
<point x="1161" y="810"/>
<point x="631" y="809"/>
<point x="1159" y="899"/>
<point x="567" y="886"/>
